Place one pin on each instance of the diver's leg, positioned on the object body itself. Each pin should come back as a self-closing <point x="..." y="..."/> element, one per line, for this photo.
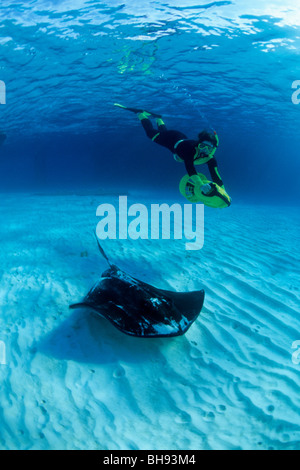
<point x="147" y="125"/>
<point x="214" y="172"/>
<point x="156" y="135"/>
<point x="161" y="125"/>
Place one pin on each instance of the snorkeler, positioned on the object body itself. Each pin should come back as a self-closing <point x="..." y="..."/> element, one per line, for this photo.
<point x="191" y="152"/>
<point x="194" y="186"/>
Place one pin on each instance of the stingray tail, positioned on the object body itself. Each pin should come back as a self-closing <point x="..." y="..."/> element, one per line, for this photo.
<point x="102" y="251"/>
<point x="79" y="305"/>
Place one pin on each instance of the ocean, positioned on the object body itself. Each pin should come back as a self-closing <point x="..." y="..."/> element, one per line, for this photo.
<point x="69" y="379"/>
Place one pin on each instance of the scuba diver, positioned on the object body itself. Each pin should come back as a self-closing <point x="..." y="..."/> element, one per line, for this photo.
<point x="194" y="186"/>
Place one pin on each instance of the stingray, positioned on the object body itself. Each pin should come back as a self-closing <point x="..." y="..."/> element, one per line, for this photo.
<point x="140" y="309"/>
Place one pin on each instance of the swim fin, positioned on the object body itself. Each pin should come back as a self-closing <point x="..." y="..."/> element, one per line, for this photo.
<point x="137" y="111"/>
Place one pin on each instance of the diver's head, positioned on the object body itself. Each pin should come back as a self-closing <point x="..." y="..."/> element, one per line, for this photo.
<point x="207" y="144"/>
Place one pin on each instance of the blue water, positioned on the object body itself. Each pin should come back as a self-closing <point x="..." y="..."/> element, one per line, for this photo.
<point x="229" y="65"/>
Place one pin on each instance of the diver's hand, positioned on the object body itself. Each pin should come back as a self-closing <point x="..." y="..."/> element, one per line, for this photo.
<point x="206" y="188"/>
<point x="143" y="115"/>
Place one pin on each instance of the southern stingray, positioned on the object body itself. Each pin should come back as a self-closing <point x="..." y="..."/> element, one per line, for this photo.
<point x="139" y="309"/>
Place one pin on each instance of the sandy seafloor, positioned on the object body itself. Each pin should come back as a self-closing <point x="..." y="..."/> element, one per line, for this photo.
<point x="73" y="381"/>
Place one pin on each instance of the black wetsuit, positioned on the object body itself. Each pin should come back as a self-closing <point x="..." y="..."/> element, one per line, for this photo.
<point x="186" y="150"/>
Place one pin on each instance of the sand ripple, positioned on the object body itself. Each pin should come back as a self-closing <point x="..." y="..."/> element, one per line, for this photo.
<point x="72" y="381"/>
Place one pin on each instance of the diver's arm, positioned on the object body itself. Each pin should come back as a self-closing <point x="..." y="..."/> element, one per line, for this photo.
<point x="147" y="125"/>
<point x="214" y="172"/>
<point x="190" y="167"/>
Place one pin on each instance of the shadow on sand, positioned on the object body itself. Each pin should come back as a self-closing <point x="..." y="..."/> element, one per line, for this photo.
<point x="86" y="337"/>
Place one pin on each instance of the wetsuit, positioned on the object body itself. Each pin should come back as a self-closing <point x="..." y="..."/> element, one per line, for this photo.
<point x="186" y="150"/>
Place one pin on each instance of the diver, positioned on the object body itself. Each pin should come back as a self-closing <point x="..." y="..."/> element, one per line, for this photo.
<point x="191" y="152"/>
<point x="194" y="186"/>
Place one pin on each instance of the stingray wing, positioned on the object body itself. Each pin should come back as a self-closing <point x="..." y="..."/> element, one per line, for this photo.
<point x="139" y="309"/>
